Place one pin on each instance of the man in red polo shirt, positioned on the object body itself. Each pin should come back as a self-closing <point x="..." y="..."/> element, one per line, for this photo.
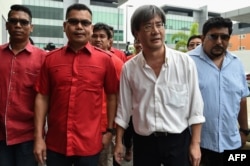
<point x="20" y="63"/>
<point x="114" y="50"/>
<point x="101" y="38"/>
<point x="70" y="91"/>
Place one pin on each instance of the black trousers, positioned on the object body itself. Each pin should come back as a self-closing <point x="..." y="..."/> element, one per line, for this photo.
<point x="166" y="149"/>
<point x="211" y="158"/>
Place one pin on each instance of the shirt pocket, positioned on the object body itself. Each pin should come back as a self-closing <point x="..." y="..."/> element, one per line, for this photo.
<point x="61" y="75"/>
<point x="176" y="95"/>
<point x="30" y="77"/>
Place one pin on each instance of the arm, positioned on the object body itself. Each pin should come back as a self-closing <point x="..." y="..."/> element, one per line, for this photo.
<point x="242" y="119"/>
<point x="111" y="107"/>
<point x="41" y="108"/>
<point x="111" y="111"/>
<point x="194" y="148"/>
<point x="119" y="151"/>
<point x="196" y="118"/>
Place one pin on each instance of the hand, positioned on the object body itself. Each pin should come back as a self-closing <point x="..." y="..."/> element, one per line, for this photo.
<point x="119" y="152"/>
<point x="195" y="154"/>
<point x="40" y="150"/>
<point x="243" y="139"/>
<point x="106" y="139"/>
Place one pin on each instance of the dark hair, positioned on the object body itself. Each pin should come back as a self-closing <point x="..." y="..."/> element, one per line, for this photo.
<point x="31" y="41"/>
<point x="217" y="22"/>
<point x="143" y="14"/>
<point x="112" y="31"/>
<point x="20" y="8"/>
<point x="103" y="26"/>
<point x="193" y="37"/>
<point x="77" y="6"/>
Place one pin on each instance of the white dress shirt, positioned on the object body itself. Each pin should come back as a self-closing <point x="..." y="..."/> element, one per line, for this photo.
<point x="168" y="103"/>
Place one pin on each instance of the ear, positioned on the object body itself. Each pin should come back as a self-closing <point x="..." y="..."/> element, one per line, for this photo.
<point x="6" y="25"/>
<point x="202" y="38"/>
<point x="136" y="35"/>
<point x="31" y="27"/>
<point x="64" y="26"/>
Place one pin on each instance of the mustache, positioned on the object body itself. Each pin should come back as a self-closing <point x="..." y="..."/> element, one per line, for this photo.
<point x="218" y="47"/>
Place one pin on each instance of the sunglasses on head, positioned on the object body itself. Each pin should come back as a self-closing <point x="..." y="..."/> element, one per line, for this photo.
<point x="74" y="21"/>
<point x="224" y="37"/>
<point x="15" y="21"/>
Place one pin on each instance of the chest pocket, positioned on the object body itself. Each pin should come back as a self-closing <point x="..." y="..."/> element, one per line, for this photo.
<point x="176" y="95"/>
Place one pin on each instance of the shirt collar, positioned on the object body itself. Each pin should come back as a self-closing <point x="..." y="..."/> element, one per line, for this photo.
<point x="88" y="48"/>
<point x="28" y="47"/>
<point x="143" y="61"/>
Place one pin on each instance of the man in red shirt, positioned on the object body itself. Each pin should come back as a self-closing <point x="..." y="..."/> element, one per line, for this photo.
<point x="101" y="38"/>
<point x="137" y="47"/>
<point x="114" y="50"/>
<point x="70" y="92"/>
<point x="19" y="67"/>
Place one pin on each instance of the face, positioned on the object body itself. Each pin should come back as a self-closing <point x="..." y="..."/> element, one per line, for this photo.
<point x="216" y="42"/>
<point x="100" y="39"/>
<point x="194" y="43"/>
<point x="19" y="26"/>
<point x="152" y="34"/>
<point x="78" y="28"/>
<point x="137" y="46"/>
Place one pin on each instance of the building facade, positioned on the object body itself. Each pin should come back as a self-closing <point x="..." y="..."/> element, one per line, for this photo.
<point x="181" y="19"/>
<point x="240" y="37"/>
<point x="48" y="18"/>
<point x="5" y="7"/>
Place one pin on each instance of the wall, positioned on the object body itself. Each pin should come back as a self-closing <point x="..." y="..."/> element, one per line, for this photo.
<point x="236" y="41"/>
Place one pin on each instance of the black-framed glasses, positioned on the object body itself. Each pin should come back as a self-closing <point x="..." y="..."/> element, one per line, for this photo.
<point x="224" y="37"/>
<point x="22" y="22"/>
<point x="149" y="27"/>
<point x="74" y="21"/>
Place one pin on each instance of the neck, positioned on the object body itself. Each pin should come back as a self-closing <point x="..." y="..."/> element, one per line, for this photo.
<point x="18" y="46"/>
<point x="150" y="54"/>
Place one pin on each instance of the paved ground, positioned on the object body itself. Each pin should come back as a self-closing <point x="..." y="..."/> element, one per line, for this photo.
<point x="125" y="163"/>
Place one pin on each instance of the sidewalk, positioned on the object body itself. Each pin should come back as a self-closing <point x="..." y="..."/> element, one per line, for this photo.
<point x="125" y="163"/>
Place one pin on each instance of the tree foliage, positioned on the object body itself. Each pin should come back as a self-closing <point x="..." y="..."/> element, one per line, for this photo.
<point x="180" y="38"/>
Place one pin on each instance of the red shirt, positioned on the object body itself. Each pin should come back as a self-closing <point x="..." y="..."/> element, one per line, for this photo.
<point x="17" y="77"/>
<point x="120" y="54"/>
<point x="74" y="83"/>
<point x="118" y="66"/>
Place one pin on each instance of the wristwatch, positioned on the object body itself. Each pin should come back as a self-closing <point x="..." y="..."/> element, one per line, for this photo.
<point x="111" y="130"/>
<point x="245" y="131"/>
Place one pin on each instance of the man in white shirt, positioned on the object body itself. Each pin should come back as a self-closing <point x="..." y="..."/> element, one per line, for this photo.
<point x="159" y="88"/>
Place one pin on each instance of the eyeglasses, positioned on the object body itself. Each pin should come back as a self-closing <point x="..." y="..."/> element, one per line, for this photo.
<point x="224" y="37"/>
<point x="193" y="44"/>
<point x="74" y="21"/>
<point x="150" y="27"/>
<point x="22" y="22"/>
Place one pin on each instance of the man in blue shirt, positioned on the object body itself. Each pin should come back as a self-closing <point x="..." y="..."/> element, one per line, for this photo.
<point x="224" y="90"/>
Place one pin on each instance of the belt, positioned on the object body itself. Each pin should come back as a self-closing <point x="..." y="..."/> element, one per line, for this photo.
<point x="160" y="134"/>
<point x="164" y="134"/>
